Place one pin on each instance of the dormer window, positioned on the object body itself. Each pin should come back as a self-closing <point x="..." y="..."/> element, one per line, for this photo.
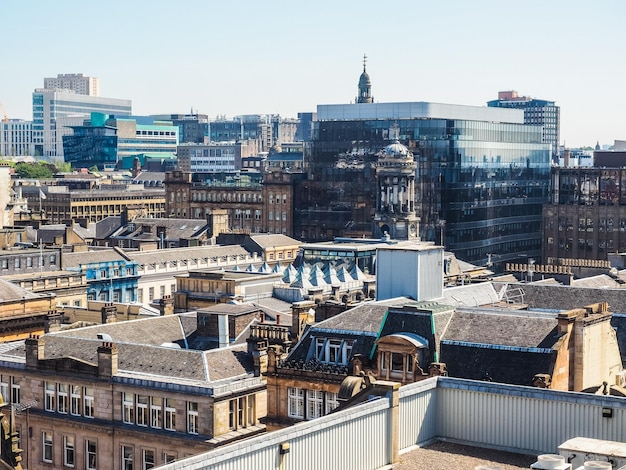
<point x="333" y="350"/>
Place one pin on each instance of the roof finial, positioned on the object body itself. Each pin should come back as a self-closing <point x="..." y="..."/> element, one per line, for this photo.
<point x="364" y="61"/>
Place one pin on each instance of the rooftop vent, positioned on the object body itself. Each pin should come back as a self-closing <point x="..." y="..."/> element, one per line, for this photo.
<point x="551" y="462"/>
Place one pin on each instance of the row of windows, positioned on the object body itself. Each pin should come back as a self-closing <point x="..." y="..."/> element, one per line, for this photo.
<point x="156" y="412"/>
<point x="171" y="133"/>
<point x="69" y="450"/>
<point x="73" y="399"/>
<point x="270" y="215"/>
<point x="27" y="261"/>
<point x="219" y="197"/>
<point x="90" y="446"/>
<point x="310" y="404"/>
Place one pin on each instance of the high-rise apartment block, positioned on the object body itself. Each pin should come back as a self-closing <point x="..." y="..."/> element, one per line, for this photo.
<point x="76" y="82"/>
<point x="538" y="112"/>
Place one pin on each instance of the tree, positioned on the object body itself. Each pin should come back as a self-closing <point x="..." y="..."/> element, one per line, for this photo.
<point x="35" y="170"/>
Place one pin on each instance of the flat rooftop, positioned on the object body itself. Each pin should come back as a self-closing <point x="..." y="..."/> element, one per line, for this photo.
<point x="447" y="455"/>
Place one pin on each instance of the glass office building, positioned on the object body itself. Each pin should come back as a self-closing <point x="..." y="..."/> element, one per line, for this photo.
<point x="482" y="176"/>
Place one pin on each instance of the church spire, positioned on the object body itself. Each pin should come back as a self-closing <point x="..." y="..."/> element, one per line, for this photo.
<point x="365" y="86"/>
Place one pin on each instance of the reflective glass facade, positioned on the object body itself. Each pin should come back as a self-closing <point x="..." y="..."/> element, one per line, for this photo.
<point x="480" y="185"/>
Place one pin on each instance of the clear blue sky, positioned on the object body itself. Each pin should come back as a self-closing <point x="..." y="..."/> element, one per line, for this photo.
<point x="255" y="56"/>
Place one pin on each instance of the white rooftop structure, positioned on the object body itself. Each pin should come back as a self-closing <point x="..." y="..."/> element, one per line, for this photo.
<point x="417" y="110"/>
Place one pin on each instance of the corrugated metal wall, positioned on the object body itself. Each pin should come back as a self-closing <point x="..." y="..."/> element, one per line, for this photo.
<point x="418" y="413"/>
<point x="524" y="419"/>
<point x="521" y="419"/>
<point x="354" y="439"/>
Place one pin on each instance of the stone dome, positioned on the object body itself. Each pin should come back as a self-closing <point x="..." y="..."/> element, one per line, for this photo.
<point x="364" y="80"/>
<point x="396" y="149"/>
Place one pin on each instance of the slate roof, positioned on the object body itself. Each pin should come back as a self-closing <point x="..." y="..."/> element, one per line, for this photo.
<point x="148" y="331"/>
<point x="79" y="258"/>
<point x="277" y="305"/>
<point x="179" y="254"/>
<point x="366" y="317"/>
<point x="10" y="292"/>
<point x="142" y="350"/>
<point x="599" y="281"/>
<point x="270" y="240"/>
<point x="507" y="366"/>
<point x="471" y="295"/>
<point x="559" y="297"/>
<point x="106" y="226"/>
<point x="496" y="328"/>
<point x="175" y="228"/>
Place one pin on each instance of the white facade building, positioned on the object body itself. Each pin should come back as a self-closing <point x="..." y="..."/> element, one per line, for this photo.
<point x="51" y="106"/>
<point x="16" y="138"/>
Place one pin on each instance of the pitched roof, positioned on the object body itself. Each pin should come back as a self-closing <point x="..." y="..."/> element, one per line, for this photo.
<point x="366" y="317"/>
<point x="10" y="292"/>
<point x="523" y="330"/>
<point x="180" y="254"/>
<point x="78" y="258"/>
<point x="270" y="240"/>
<point x="144" y="348"/>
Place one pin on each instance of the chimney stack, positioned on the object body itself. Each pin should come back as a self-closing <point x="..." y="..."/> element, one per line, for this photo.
<point x="107" y="360"/>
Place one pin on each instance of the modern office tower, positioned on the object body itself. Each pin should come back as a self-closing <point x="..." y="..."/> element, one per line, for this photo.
<point x="76" y="82"/>
<point x="192" y="127"/>
<point x="54" y="111"/>
<point x="538" y="112"/>
<point x="16" y="138"/>
<point x="104" y="140"/>
<point x="481" y="179"/>
<point x="267" y="129"/>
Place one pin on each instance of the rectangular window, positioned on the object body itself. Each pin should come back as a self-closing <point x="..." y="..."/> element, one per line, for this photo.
<point x="4" y="389"/>
<point x="140" y="296"/>
<point x="68" y="451"/>
<point x="142" y="410"/>
<point x="127" y="457"/>
<point x="332" y="401"/>
<point x="148" y="459"/>
<point x="192" y="417"/>
<point x="62" y="399"/>
<point x="295" y="402"/>
<point x="170" y="414"/>
<point x="150" y="294"/>
<point x="91" y="454"/>
<point x="76" y="400"/>
<point x="315" y="401"/>
<point x="88" y="402"/>
<point x="169" y="457"/>
<point x="47" y="447"/>
<point x="156" y="411"/>
<point x="128" y="407"/>
<point x="50" y="396"/>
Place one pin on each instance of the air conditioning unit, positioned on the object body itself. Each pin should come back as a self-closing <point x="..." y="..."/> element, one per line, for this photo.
<point x="596" y="465"/>
<point x="581" y="450"/>
<point x="551" y="462"/>
<point x="620" y="378"/>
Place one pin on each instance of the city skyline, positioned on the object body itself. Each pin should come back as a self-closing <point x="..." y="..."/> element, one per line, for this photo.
<point x="283" y="57"/>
